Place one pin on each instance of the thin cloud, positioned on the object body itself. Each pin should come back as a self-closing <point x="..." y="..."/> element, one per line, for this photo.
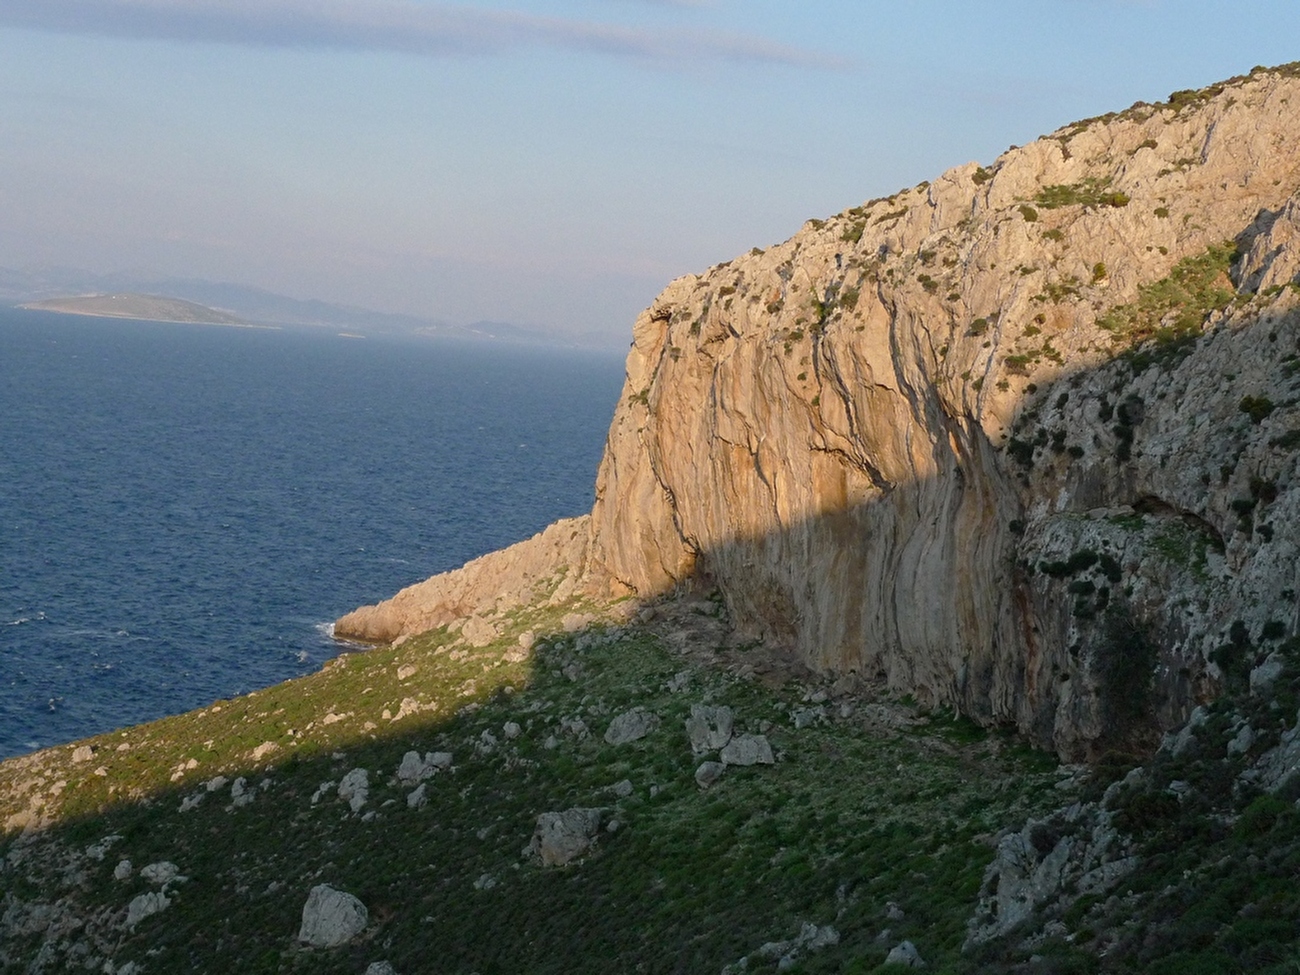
<point x="432" y="30"/>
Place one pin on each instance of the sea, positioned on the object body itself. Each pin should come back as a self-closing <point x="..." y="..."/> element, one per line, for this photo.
<point x="184" y="509"/>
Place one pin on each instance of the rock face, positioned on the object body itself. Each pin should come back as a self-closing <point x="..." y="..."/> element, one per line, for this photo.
<point x="331" y="918"/>
<point x="1020" y="441"/>
<point x="496" y="583"/>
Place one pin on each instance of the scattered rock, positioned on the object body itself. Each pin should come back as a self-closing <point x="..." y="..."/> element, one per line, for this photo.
<point x="331" y="917"/>
<point x="574" y="726"/>
<point x="485" y="882"/>
<point x="622" y="789"/>
<point x="160" y="874"/>
<point x="905" y="954"/>
<point x="478" y="632"/>
<point x="562" y="837"/>
<point x="415" y="769"/>
<point x="1266" y="674"/>
<point x="708" y="773"/>
<point x="810" y="938"/>
<point x="894" y="912"/>
<point x="709" y="727"/>
<point x="417" y="799"/>
<point x="145" y="906"/>
<point x="240" y="794"/>
<point x="631" y="726"/>
<point x="123" y="870"/>
<point x="1186" y="737"/>
<point x="380" y="968"/>
<point x="679" y="682"/>
<point x="98" y="851"/>
<point x="216" y="782"/>
<point x="406" y="670"/>
<point x="321" y="791"/>
<point x="573" y="622"/>
<point x="511" y="730"/>
<point x="83" y="753"/>
<point x="264" y="749"/>
<point x="747" y="750"/>
<point x="1241" y="742"/>
<point x="808" y="717"/>
<point x="355" y="788"/>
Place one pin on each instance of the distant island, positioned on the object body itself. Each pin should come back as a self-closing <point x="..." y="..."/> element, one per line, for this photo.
<point x="152" y="308"/>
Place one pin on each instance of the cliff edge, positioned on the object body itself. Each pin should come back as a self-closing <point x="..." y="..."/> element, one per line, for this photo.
<point x="1020" y="441"/>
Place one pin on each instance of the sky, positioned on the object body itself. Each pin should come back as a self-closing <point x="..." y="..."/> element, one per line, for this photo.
<point x="550" y="164"/>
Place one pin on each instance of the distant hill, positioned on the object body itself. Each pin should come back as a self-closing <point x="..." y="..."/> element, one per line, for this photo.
<point x="154" y="308"/>
<point x="33" y="287"/>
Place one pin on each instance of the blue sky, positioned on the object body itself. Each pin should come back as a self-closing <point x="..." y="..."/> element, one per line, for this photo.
<point x="546" y="163"/>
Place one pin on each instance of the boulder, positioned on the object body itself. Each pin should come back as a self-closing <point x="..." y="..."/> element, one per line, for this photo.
<point x="747" y="750"/>
<point x="709" y="727"/>
<point x="562" y="837"/>
<point x="905" y="954"/>
<point x="161" y="873"/>
<point x="145" y="906"/>
<point x="355" y="788"/>
<point x="331" y="917"/>
<point x="631" y="726"/>
<point x="708" y="773"/>
<point x="380" y="968"/>
<point x="414" y="769"/>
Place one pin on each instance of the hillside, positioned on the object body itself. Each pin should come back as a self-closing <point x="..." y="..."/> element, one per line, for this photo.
<point x="150" y="308"/>
<point x="1004" y="460"/>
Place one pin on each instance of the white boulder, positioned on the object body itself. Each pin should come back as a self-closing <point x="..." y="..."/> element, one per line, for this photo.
<point x="331" y="917"/>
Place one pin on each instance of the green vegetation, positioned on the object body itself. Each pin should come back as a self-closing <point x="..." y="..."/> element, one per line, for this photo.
<point x="1175" y="307"/>
<point x="1257" y="408"/>
<point x="852" y="818"/>
<point x="1091" y="191"/>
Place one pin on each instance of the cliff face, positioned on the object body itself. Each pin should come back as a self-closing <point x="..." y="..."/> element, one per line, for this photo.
<point x="1020" y="441"/>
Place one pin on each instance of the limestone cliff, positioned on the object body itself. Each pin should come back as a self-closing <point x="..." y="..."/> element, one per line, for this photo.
<point x="1020" y="441"/>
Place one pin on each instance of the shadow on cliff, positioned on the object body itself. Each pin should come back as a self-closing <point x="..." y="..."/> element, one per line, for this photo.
<point x="1089" y="581"/>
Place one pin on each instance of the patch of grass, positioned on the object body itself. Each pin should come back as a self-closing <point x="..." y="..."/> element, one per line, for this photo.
<point x="850" y="819"/>
<point x="1177" y="305"/>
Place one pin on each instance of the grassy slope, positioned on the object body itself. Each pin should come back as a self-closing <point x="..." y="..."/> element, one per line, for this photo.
<point x="851" y="818"/>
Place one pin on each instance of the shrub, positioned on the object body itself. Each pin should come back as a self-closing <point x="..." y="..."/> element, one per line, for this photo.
<point x="1091" y="191"/>
<point x="1029" y="213"/>
<point x="1256" y="407"/>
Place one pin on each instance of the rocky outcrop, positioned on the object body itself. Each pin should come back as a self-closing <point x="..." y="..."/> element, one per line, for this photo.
<point x="872" y="436"/>
<point x="1019" y="441"/>
<point x="553" y="564"/>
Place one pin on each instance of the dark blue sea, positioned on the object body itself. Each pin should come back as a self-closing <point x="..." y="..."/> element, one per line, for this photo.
<point x="185" y="508"/>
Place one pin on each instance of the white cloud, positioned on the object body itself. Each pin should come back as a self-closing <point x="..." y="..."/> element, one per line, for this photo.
<point x="427" y="29"/>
